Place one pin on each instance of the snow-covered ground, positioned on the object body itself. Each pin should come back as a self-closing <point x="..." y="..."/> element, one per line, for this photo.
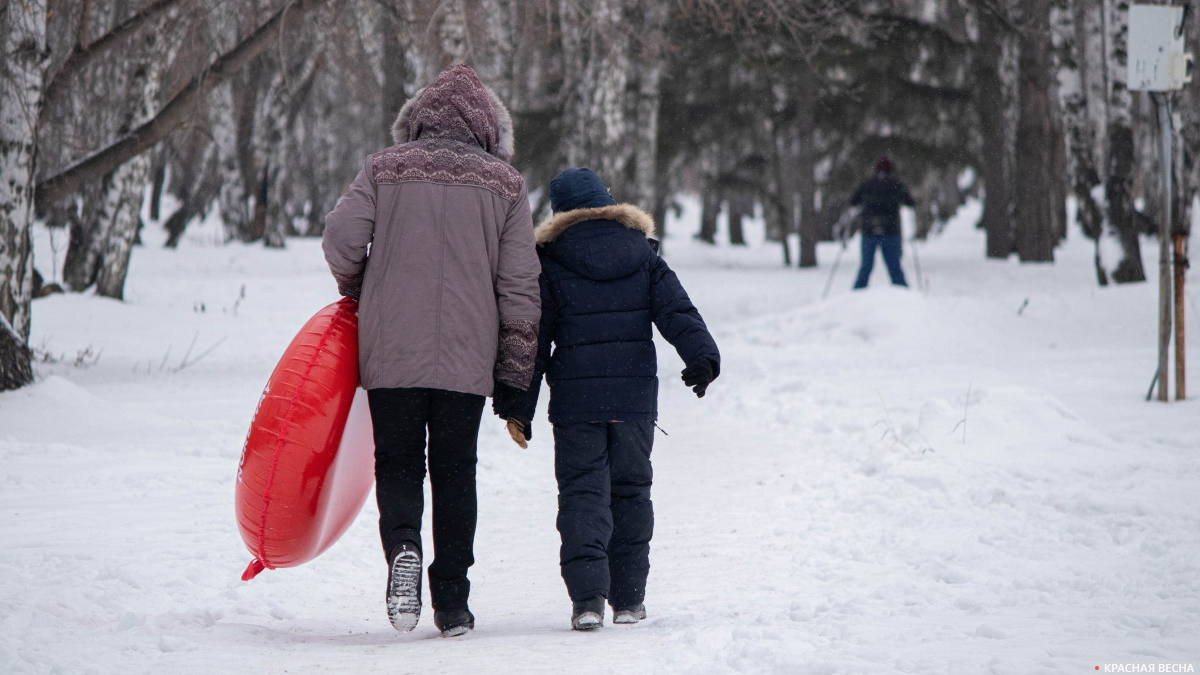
<point x="960" y="480"/>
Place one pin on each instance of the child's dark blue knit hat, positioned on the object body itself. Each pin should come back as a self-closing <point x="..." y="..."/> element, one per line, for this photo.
<point x="578" y="188"/>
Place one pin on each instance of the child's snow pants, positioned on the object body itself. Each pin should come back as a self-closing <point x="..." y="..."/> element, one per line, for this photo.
<point x="605" y="516"/>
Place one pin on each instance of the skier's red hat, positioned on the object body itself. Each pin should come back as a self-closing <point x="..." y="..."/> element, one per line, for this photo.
<point x="884" y="165"/>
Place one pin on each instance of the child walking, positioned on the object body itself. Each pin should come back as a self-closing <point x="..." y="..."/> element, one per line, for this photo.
<point x="603" y="285"/>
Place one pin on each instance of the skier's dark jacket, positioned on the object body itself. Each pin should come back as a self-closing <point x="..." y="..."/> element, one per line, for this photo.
<point x="881" y="197"/>
<point x="603" y="284"/>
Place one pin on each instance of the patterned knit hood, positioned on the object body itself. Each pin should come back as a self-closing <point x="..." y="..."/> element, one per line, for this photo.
<point x="457" y="106"/>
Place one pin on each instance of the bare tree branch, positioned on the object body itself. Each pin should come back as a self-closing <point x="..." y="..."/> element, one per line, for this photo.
<point x="176" y="111"/>
<point x="81" y="54"/>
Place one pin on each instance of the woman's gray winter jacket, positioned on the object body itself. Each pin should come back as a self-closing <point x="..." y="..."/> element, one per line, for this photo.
<point x="448" y="293"/>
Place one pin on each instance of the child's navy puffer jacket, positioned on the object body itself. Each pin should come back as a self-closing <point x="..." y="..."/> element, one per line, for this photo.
<point x="603" y="285"/>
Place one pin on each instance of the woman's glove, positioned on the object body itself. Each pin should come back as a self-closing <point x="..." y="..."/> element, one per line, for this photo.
<point x="350" y="286"/>
<point x="505" y="399"/>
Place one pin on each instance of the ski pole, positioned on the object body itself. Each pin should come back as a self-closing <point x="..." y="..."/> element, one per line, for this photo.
<point x="832" y="272"/>
<point x="917" y="264"/>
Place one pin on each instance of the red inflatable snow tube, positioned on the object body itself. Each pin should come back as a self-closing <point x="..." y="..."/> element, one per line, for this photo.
<point x="308" y="463"/>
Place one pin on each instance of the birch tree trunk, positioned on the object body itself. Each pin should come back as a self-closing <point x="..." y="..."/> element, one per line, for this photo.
<point x="21" y="87"/>
<point x="1188" y="108"/>
<point x="1036" y="231"/>
<point x="493" y="44"/>
<point x="652" y="38"/>
<point x="222" y="118"/>
<point x="274" y="151"/>
<point x="1120" y="153"/>
<point x="596" y="69"/>
<point x="452" y="33"/>
<point x="1070" y="39"/>
<point x="806" y="165"/>
<point x="128" y="181"/>
<point x="395" y="73"/>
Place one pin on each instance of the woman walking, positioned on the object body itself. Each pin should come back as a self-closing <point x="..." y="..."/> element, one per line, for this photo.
<point x="435" y="239"/>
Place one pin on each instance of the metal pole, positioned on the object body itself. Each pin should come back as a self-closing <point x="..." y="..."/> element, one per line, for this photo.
<point x="1181" y="265"/>
<point x="917" y="264"/>
<point x="1164" y="246"/>
<point x="832" y="272"/>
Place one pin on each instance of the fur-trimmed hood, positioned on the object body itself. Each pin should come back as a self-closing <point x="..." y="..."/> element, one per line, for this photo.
<point x="613" y="244"/>
<point x="457" y="105"/>
<point x="626" y="214"/>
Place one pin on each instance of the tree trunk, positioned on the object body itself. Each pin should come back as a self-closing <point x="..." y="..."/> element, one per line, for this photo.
<point x="923" y="210"/>
<point x="201" y="190"/>
<point x="452" y="33"/>
<point x="118" y="230"/>
<point x="1188" y="165"/>
<point x="596" y="69"/>
<point x="159" y="178"/>
<point x="740" y="207"/>
<point x="1069" y="60"/>
<point x="662" y="201"/>
<point x="395" y="74"/>
<point x="127" y="185"/>
<point x="995" y="77"/>
<point x="231" y="199"/>
<point x="806" y="166"/>
<point x="274" y="150"/>
<point x="710" y="207"/>
<point x="1087" y="123"/>
<point x="649" y="73"/>
<point x="82" y="262"/>
<point x="492" y="45"/>
<point x="223" y="123"/>
<point x="21" y="87"/>
<point x="1036" y="232"/>
<point x="1119" y="183"/>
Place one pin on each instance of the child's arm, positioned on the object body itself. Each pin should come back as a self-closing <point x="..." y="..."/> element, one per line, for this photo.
<point x="679" y="321"/>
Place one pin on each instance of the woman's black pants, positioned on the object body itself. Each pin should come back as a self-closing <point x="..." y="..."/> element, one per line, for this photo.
<point x="401" y="418"/>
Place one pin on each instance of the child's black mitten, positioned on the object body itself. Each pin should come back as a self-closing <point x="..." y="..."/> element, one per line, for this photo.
<point x="698" y="375"/>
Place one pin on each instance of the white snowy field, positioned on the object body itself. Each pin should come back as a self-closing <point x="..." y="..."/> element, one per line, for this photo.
<point x="823" y="510"/>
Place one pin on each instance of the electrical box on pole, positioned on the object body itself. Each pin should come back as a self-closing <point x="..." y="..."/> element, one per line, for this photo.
<point x="1158" y="60"/>
<point x="1159" y="63"/>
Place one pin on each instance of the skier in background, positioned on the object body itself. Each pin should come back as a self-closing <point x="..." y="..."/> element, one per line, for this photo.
<point x="881" y="197"/>
<point x="603" y="286"/>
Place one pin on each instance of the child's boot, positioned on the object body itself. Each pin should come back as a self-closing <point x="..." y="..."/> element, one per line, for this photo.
<point x="587" y="614"/>
<point x="631" y="614"/>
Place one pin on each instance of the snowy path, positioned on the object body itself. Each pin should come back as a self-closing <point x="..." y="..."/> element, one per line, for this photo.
<point x="818" y="512"/>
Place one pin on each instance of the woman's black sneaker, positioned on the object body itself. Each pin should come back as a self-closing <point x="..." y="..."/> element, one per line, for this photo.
<point x="630" y="614"/>
<point x="404" y="587"/>
<point x="587" y="614"/>
<point x="453" y="622"/>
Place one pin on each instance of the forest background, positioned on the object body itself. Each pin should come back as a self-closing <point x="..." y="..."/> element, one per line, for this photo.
<point x="264" y="109"/>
